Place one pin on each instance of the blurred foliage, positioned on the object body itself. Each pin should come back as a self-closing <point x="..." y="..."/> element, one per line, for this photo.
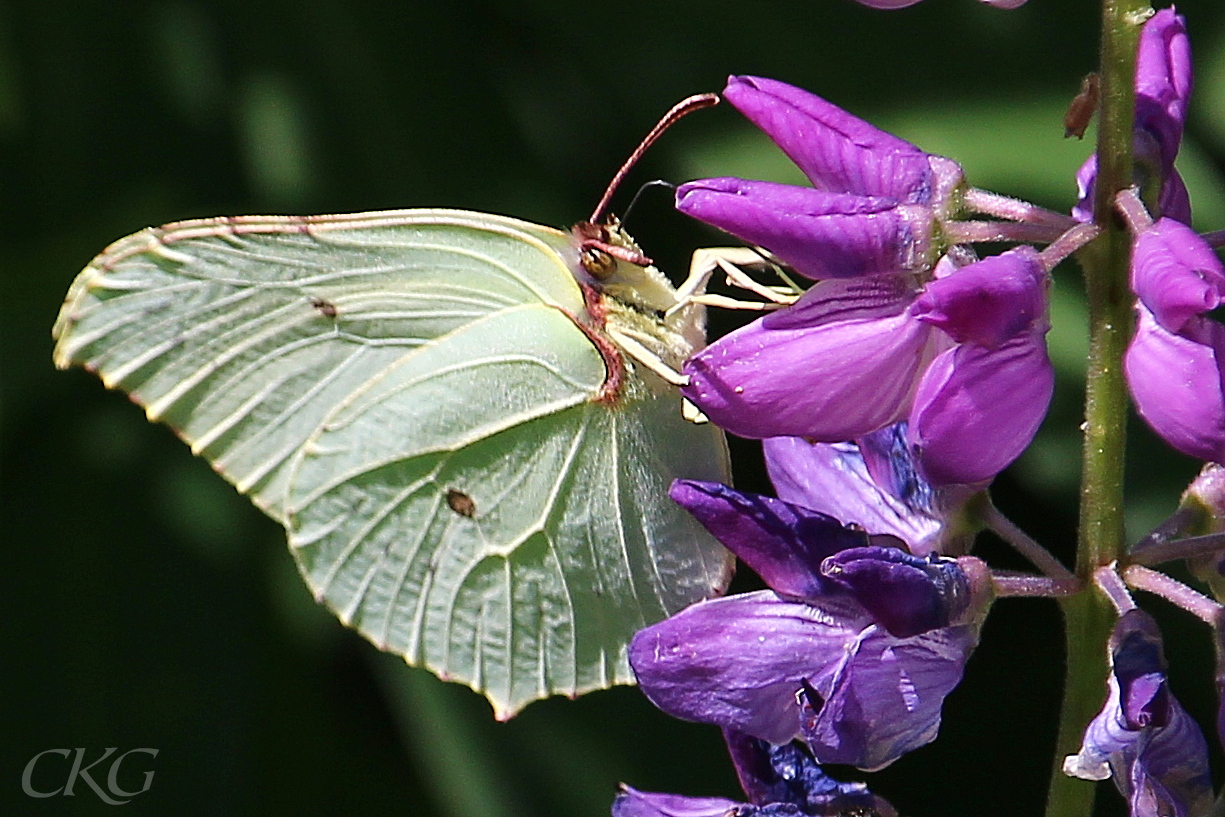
<point x="151" y="606"/>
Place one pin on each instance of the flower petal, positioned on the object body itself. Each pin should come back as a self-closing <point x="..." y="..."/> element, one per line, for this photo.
<point x="812" y="381"/>
<point x="784" y="544"/>
<point x="633" y="803"/>
<point x="1173" y="201"/>
<point x="1176" y="381"/>
<point x="820" y="234"/>
<point x="833" y="478"/>
<point x="888" y="4"/>
<point x="845" y="299"/>
<point x="883" y="697"/>
<point x="1163" y="80"/>
<point x="977" y="409"/>
<point x="987" y="302"/>
<point x="905" y="594"/>
<point x="787" y="775"/>
<point x="1142" y="737"/>
<point x="739" y="661"/>
<point x="840" y="152"/>
<point x="1163" y="89"/>
<point x="1176" y="274"/>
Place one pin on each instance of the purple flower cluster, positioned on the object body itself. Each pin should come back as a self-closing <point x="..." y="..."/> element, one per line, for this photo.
<point x="899" y="326"/>
<point x="888" y="396"/>
<point x="1176" y="361"/>
<point x="857" y="642"/>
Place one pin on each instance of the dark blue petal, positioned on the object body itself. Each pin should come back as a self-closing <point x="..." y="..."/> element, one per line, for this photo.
<point x="787" y="775"/>
<point x="785" y="544"/>
<point x="874" y="484"/>
<point x="1143" y="738"/>
<point x="905" y="594"/>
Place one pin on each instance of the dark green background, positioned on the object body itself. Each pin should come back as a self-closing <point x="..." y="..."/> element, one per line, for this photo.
<point x="146" y="604"/>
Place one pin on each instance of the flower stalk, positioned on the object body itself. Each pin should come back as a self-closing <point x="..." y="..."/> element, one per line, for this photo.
<point x="1089" y="616"/>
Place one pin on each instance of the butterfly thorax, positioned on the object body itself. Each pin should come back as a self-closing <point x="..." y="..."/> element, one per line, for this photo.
<point x="629" y="297"/>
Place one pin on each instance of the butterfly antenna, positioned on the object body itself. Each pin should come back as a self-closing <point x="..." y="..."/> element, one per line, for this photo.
<point x="680" y="109"/>
<point x="629" y="208"/>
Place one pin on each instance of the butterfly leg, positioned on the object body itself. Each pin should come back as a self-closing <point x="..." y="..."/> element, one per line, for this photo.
<point x="732" y="261"/>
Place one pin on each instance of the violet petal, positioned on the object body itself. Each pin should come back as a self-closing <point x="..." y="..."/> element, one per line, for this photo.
<point x="633" y="803"/>
<point x="1176" y="274"/>
<point x="1173" y="201"/>
<point x="1142" y="737"/>
<point x="1086" y="190"/>
<point x="836" y="150"/>
<point x="889" y="4"/>
<point x="1176" y="382"/>
<point x="883" y="697"/>
<point x="905" y="594"/>
<point x="834" y="479"/>
<point x="738" y="661"/>
<point x="987" y="302"/>
<point x="977" y="409"/>
<point x="820" y="234"/>
<point x="811" y="382"/>
<point x="1163" y="80"/>
<point x="1163" y="89"/>
<point x="845" y="299"/>
<point x="784" y="544"/>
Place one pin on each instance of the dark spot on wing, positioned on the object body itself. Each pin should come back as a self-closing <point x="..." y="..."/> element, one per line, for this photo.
<point x="461" y="503"/>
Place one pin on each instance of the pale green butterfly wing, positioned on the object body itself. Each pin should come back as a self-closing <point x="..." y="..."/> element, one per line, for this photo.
<point x="410" y="393"/>
<point x="223" y="328"/>
<point x="560" y="555"/>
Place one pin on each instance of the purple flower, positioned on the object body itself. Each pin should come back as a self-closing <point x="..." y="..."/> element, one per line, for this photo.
<point x="778" y="781"/>
<point x="901" y="4"/>
<point x="854" y="648"/>
<point x="1163" y="88"/>
<point x="818" y="233"/>
<point x="963" y="358"/>
<point x="874" y="201"/>
<point x="1176" y="359"/>
<point x="1142" y="737"/>
<point x="874" y="481"/>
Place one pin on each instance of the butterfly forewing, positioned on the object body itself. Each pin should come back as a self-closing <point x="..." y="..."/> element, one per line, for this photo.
<point x="212" y="325"/>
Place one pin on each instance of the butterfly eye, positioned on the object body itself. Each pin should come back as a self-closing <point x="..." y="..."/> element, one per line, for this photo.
<point x="598" y="264"/>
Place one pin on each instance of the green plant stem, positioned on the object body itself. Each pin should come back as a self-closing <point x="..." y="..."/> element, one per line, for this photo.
<point x="1088" y="616"/>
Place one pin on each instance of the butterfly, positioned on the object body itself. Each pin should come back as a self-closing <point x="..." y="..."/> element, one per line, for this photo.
<point x="439" y="407"/>
<point x="466" y="423"/>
